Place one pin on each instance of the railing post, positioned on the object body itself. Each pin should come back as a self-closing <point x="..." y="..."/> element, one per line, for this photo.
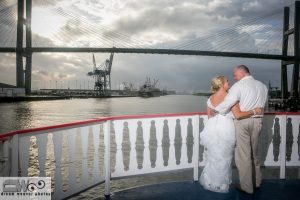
<point x="283" y="147"/>
<point x="197" y="143"/>
<point x="14" y="156"/>
<point x="107" y="158"/>
<point x="5" y="159"/>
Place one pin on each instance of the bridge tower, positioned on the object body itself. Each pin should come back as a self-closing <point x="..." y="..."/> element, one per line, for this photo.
<point x="102" y="76"/>
<point x="23" y="77"/>
<point x="294" y="92"/>
<point x="295" y="77"/>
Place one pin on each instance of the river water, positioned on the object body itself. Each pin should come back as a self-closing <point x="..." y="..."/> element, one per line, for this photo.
<point x="24" y="115"/>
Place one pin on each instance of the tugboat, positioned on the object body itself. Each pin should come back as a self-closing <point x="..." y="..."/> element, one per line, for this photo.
<point x="149" y="90"/>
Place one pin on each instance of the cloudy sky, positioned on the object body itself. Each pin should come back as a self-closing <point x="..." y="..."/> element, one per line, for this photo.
<point x="189" y="24"/>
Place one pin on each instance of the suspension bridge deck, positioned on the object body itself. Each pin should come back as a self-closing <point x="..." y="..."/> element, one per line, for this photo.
<point x="152" y="51"/>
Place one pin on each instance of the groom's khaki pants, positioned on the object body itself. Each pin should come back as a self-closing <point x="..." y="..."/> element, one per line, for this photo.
<point x="246" y="152"/>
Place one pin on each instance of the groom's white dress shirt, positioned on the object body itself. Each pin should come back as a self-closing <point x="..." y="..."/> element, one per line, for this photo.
<point x="250" y="93"/>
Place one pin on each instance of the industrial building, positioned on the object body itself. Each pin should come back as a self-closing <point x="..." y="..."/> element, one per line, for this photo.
<point x="11" y="91"/>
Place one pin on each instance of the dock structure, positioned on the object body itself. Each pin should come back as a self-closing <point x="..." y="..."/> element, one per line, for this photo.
<point x="7" y="90"/>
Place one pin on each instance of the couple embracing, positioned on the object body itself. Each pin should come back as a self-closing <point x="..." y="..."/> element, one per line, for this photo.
<point x="233" y="128"/>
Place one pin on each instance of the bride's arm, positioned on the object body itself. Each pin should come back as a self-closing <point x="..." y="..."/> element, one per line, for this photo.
<point x="238" y="114"/>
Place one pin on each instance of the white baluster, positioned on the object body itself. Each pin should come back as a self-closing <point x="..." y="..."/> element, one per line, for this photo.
<point x="172" y="158"/>
<point x="294" y="157"/>
<point x="42" y="151"/>
<point x="118" y="125"/>
<point x="24" y="144"/>
<point x="271" y="121"/>
<point x="15" y="156"/>
<point x="282" y="152"/>
<point x="195" y="122"/>
<point x="132" y="126"/>
<point x="184" y="125"/>
<point x="146" y="134"/>
<point x="107" y="157"/>
<point x="84" y="132"/>
<point x="57" y="143"/>
<point x="6" y="167"/>
<point x="96" y="140"/>
<point x="146" y="131"/>
<point x="205" y="119"/>
<point x="72" y="159"/>
<point x="159" y="123"/>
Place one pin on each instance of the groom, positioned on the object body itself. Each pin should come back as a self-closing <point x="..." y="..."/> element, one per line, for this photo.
<point x="250" y="93"/>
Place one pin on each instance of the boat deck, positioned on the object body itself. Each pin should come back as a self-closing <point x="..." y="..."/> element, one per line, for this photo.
<point x="188" y="190"/>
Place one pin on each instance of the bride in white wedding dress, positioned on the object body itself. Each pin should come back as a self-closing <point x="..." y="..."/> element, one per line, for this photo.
<point x="218" y="138"/>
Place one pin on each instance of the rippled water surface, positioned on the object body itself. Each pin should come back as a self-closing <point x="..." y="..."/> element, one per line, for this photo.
<point x="23" y="115"/>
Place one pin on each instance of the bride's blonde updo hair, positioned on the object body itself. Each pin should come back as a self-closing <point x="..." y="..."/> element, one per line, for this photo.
<point x="217" y="83"/>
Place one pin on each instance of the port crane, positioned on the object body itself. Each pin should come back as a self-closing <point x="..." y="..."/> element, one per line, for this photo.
<point x="102" y="77"/>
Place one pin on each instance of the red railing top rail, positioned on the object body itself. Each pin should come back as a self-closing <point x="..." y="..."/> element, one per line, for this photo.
<point x="5" y="136"/>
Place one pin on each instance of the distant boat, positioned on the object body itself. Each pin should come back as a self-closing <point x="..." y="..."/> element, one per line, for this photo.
<point x="149" y="90"/>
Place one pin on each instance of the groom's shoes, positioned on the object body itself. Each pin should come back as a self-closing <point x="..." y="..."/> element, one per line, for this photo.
<point x="238" y="188"/>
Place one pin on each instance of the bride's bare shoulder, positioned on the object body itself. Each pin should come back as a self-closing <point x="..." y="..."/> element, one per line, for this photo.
<point x="217" y="98"/>
<point x="213" y="97"/>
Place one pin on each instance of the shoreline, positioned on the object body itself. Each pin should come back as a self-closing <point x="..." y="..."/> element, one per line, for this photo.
<point x="48" y="98"/>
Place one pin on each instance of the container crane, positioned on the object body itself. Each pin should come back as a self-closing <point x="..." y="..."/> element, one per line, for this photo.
<point x="102" y="77"/>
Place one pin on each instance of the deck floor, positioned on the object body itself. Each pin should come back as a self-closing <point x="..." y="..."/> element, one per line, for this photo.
<point x="270" y="189"/>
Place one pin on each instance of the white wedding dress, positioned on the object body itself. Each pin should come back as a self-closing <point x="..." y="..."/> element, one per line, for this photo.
<point x="218" y="138"/>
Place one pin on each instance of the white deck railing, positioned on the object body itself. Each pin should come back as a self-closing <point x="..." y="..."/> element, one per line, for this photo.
<point x="77" y="156"/>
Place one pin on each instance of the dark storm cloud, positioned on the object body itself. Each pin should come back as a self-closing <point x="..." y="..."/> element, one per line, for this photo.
<point x="178" y="14"/>
<point x="156" y="19"/>
<point x="178" y="20"/>
<point x="192" y="73"/>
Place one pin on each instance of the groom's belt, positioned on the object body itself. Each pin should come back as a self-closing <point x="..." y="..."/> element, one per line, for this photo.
<point x="257" y="116"/>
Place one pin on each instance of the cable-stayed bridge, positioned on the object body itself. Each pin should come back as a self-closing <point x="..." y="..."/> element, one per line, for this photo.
<point x="259" y="35"/>
<point x="275" y="35"/>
